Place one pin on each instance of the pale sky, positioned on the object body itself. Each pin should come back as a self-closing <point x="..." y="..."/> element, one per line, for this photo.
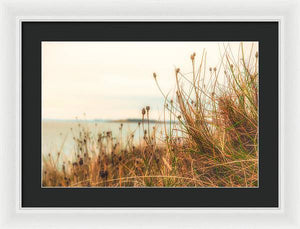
<point x="113" y="80"/>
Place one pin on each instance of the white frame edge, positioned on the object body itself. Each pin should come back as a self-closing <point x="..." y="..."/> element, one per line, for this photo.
<point x="13" y="216"/>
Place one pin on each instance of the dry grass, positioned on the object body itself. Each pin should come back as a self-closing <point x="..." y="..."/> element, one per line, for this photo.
<point x="214" y="142"/>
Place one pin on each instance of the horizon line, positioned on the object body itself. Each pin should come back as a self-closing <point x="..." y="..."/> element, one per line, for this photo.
<point x="102" y="120"/>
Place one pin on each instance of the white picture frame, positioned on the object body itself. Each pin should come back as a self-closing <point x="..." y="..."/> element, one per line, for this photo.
<point x="12" y="13"/>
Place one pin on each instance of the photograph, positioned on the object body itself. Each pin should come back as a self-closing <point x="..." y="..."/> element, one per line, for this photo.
<point x="150" y="114"/>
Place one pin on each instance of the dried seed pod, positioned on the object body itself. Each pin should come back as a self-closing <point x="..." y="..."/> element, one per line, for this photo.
<point x="193" y="56"/>
<point x="80" y="161"/>
<point x="143" y="111"/>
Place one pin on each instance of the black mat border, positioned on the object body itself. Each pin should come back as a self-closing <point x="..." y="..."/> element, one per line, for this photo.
<point x="33" y="33"/>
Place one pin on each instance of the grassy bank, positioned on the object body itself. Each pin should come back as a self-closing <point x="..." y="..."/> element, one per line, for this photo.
<point x="209" y="139"/>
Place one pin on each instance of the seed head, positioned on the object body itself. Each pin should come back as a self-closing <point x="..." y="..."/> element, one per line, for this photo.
<point x="143" y="111"/>
<point x="193" y="56"/>
<point x="154" y="75"/>
<point x="103" y="174"/>
<point x="177" y="70"/>
<point x="147" y="108"/>
<point x="179" y="117"/>
<point x="215" y="69"/>
<point x="256" y="55"/>
<point x="108" y="133"/>
<point x="210" y="69"/>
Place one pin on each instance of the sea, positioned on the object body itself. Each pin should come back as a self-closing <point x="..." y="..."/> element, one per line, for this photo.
<point x="58" y="136"/>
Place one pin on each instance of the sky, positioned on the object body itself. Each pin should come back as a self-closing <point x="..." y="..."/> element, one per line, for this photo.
<point x="114" y="80"/>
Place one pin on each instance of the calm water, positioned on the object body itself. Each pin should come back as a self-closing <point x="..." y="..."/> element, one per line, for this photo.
<point x="57" y="136"/>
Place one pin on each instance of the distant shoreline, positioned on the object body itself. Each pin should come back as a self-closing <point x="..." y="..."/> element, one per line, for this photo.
<point x="106" y="120"/>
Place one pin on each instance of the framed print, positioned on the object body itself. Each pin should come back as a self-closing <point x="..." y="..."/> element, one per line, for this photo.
<point x="150" y="114"/>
